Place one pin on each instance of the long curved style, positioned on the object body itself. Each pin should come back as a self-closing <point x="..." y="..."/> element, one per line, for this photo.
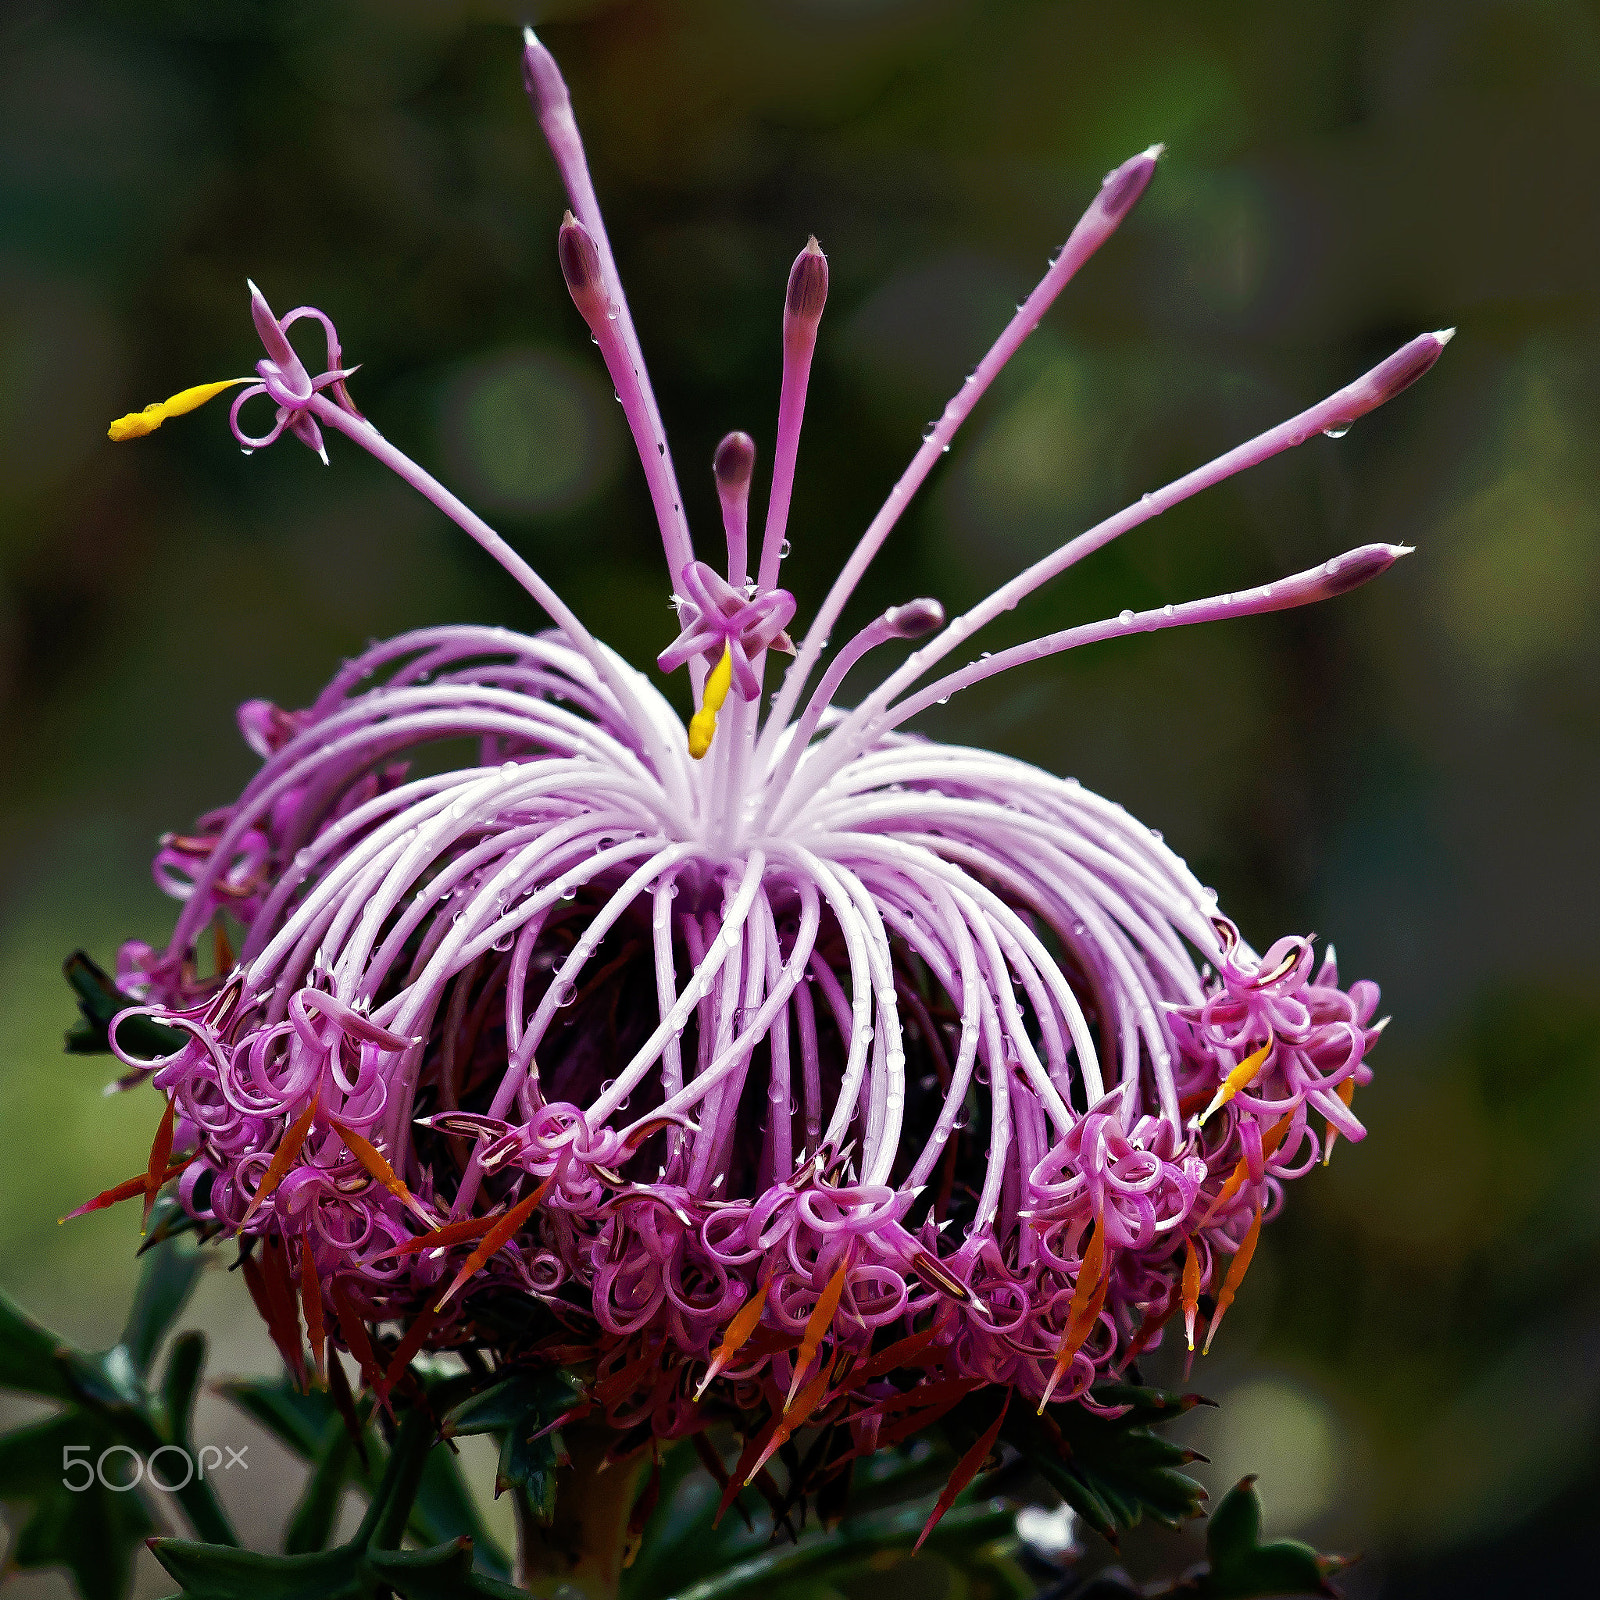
<point x="834" y="1036"/>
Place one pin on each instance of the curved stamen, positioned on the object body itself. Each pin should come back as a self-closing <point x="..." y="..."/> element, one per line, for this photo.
<point x="703" y="724"/>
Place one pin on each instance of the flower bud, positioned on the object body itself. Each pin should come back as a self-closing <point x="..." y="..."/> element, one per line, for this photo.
<point x="1388" y="378"/>
<point x="1347" y="572"/>
<point x="734" y="462"/>
<point x="580" y="266"/>
<point x="808" y="292"/>
<point x="914" y="619"/>
<point x="1123" y="185"/>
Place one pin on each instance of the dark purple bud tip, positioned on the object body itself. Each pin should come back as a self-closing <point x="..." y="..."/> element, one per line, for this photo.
<point x="1126" y="183"/>
<point x="1388" y="378"/>
<point x="1347" y="572"/>
<point x="914" y="619"/>
<point x="734" y="461"/>
<point x="580" y="266"/>
<point x="1405" y="366"/>
<point x="808" y="285"/>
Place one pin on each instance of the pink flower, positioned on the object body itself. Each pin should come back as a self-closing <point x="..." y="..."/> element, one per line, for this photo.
<point x="747" y="1065"/>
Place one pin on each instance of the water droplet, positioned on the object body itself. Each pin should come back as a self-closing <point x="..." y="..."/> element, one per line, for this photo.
<point x="986" y="655"/>
<point x="566" y="994"/>
<point x="783" y="550"/>
<point x="1125" y="617"/>
<point x="1169" y="611"/>
<point x="1336" y="433"/>
<point x="944" y="700"/>
<point x="570" y="893"/>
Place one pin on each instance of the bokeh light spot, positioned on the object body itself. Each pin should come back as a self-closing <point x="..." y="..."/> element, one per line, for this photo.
<point x="527" y="432"/>
<point x="1288" y="1435"/>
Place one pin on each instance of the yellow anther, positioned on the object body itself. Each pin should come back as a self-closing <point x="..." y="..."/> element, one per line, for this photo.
<point x="703" y="724"/>
<point x="1241" y="1077"/>
<point x="138" y="423"/>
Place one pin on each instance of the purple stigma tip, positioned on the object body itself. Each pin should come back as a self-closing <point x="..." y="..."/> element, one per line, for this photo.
<point x="1348" y="572"/>
<point x="1124" y="185"/>
<point x="734" y="461"/>
<point x="914" y="619"/>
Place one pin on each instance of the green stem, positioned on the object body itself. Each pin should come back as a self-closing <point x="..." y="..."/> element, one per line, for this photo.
<point x="857" y="1537"/>
<point x="385" y="1522"/>
<point x="583" y="1545"/>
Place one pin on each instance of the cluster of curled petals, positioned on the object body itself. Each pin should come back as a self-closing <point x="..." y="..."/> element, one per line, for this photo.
<point x="936" y="1057"/>
<point x="716" y="616"/>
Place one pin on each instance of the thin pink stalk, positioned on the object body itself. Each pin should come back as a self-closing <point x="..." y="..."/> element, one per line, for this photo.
<point x="732" y="467"/>
<point x="802" y="312"/>
<point x="1335" y="577"/>
<point x="553" y="105"/>
<point x="1332" y="416"/>
<point x="910" y="621"/>
<point x="1116" y="198"/>
<point x="668" y="760"/>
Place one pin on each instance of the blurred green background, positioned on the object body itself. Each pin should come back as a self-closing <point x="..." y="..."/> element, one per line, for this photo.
<point x="1414" y="1366"/>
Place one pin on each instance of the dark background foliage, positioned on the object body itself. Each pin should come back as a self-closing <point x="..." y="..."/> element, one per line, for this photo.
<point x="1414" y="1366"/>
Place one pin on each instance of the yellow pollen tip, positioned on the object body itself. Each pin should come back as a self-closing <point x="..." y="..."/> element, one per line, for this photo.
<point x="138" y="423"/>
<point x="703" y="724"/>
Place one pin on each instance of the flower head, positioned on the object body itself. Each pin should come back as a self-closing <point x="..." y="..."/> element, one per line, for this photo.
<point x="766" y="1075"/>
